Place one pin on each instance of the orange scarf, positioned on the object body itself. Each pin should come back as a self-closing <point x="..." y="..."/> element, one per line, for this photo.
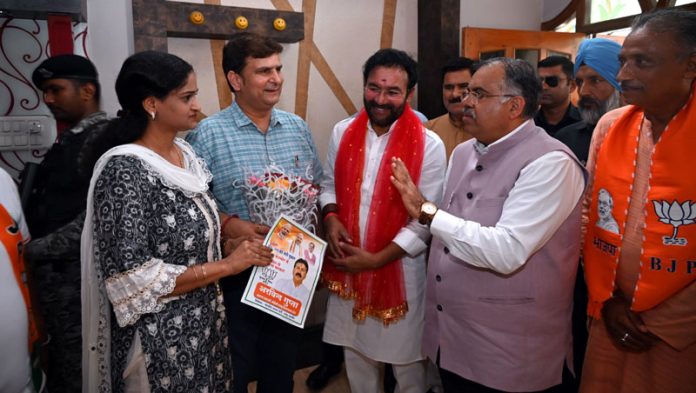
<point x="668" y="255"/>
<point x="11" y="238"/>
<point x="380" y="292"/>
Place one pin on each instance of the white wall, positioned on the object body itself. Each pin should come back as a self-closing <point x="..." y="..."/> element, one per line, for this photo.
<point x="24" y="46"/>
<point x="552" y="8"/>
<point x="110" y="41"/>
<point x="346" y="33"/>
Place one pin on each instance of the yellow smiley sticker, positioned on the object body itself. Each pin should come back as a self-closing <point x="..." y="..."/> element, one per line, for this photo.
<point x="279" y="24"/>
<point x="241" y="22"/>
<point x="197" y="18"/>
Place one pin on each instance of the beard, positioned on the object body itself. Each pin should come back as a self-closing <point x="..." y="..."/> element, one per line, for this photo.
<point x="394" y="113"/>
<point x="591" y="110"/>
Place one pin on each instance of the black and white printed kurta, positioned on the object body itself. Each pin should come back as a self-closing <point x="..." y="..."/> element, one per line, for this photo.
<point x="146" y="233"/>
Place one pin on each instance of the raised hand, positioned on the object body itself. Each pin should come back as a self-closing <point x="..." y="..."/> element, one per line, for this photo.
<point x="410" y="195"/>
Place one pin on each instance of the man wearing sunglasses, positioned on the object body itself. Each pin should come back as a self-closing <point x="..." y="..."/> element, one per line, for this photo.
<point x="558" y="83"/>
<point x="505" y="247"/>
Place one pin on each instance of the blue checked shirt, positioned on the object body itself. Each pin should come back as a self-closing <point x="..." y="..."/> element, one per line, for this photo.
<point x="233" y="147"/>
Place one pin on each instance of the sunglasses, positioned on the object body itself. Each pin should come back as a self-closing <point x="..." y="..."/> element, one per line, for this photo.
<point x="551" y="81"/>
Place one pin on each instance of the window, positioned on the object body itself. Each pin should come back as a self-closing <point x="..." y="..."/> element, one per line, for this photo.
<point x="602" y="10"/>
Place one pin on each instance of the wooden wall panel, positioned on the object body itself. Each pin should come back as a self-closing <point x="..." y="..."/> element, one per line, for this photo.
<point x="155" y="20"/>
<point x="438" y="42"/>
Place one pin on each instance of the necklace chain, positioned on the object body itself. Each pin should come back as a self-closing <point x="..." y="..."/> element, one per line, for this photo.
<point x="180" y="154"/>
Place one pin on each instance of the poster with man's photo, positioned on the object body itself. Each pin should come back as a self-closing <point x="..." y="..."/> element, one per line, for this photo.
<point x="285" y="288"/>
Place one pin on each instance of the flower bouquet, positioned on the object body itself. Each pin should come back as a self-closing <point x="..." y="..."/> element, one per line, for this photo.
<point x="275" y="192"/>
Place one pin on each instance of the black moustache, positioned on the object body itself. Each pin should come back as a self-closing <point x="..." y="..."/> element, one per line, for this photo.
<point x="629" y="85"/>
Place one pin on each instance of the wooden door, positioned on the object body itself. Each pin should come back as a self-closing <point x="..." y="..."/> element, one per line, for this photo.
<point x="481" y="44"/>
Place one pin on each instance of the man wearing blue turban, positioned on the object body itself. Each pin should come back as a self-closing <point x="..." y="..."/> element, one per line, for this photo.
<point x="596" y="66"/>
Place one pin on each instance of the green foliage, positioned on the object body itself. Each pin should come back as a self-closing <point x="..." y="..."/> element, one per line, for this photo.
<point x="607" y="9"/>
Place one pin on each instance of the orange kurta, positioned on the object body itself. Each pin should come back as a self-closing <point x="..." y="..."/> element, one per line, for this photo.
<point x="668" y="365"/>
<point x="450" y="134"/>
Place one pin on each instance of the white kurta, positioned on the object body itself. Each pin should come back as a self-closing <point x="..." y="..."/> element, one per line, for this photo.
<point x="400" y="342"/>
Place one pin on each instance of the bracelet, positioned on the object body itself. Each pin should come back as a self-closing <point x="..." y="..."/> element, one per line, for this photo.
<point x="195" y="271"/>
<point x="329" y="214"/>
<point x="227" y="221"/>
<point x="205" y="273"/>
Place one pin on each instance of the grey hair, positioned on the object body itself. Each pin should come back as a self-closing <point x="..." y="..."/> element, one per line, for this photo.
<point x="592" y="116"/>
<point x="520" y="79"/>
<point x="681" y="24"/>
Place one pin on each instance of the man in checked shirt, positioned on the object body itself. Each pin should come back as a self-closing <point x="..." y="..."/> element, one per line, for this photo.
<point x="248" y="137"/>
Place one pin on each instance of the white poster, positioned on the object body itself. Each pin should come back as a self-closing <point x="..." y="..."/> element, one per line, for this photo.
<point x="285" y="288"/>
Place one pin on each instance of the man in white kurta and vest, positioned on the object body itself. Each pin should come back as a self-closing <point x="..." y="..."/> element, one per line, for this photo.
<point x="505" y="242"/>
<point x="376" y="268"/>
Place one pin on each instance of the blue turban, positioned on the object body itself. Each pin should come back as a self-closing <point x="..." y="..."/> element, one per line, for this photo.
<point x="602" y="55"/>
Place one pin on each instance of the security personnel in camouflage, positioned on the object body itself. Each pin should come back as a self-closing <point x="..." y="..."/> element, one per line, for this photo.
<point x="56" y="211"/>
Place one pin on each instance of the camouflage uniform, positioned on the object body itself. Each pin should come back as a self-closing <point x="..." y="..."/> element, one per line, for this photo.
<point x="56" y="214"/>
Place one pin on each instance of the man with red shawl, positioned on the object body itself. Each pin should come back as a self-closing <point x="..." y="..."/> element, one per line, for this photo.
<point x="376" y="269"/>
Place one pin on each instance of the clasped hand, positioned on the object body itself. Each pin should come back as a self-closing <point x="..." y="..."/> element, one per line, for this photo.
<point x="625" y="327"/>
<point x="345" y="256"/>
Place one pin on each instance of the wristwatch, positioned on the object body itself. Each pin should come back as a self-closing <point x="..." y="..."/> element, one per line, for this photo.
<point x="427" y="212"/>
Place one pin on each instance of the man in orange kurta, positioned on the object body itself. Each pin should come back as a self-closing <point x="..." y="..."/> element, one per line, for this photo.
<point x="641" y="279"/>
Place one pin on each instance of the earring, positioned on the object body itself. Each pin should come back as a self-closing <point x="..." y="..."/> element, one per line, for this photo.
<point x="152" y="114"/>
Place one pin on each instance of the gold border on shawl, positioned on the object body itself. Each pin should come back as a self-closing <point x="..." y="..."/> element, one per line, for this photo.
<point x="387" y="316"/>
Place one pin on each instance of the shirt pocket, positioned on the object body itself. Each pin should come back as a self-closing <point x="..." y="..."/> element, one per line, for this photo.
<point x="302" y="159"/>
<point x="506" y="300"/>
<point x="487" y="211"/>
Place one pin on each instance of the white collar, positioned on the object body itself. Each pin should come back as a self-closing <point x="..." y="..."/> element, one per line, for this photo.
<point x="483" y="149"/>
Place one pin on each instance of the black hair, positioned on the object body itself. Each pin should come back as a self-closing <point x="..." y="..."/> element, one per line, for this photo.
<point x="458" y="64"/>
<point x="243" y="45"/>
<point x="144" y="74"/>
<point x="564" y="62"/>
<point x="390" y="57"/>
<point x="521" y="79"/>
<point x="682" y="25"/>
<point x="302" y="261"/>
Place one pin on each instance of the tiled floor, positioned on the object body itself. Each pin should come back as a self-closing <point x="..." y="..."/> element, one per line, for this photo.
<point x="338" y="384"/>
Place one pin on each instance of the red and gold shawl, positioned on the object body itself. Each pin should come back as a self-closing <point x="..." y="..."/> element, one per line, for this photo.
<point x="379" y="293"/>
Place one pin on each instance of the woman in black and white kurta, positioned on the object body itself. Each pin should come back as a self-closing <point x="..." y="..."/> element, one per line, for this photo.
<point x="153" y="316"/>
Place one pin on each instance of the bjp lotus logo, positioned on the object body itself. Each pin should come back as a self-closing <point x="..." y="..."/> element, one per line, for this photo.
<point x="676" y="215"/>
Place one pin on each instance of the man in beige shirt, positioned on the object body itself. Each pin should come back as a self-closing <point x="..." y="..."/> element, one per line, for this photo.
<point x="456" y="75"/>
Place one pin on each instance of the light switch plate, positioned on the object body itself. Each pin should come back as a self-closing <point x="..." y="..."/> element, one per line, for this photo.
<point x="26" y="132"/>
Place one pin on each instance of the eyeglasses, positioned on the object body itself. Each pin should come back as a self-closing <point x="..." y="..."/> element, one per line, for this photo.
<point x="551" y="81"/>
<point x="477" y="95"/>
